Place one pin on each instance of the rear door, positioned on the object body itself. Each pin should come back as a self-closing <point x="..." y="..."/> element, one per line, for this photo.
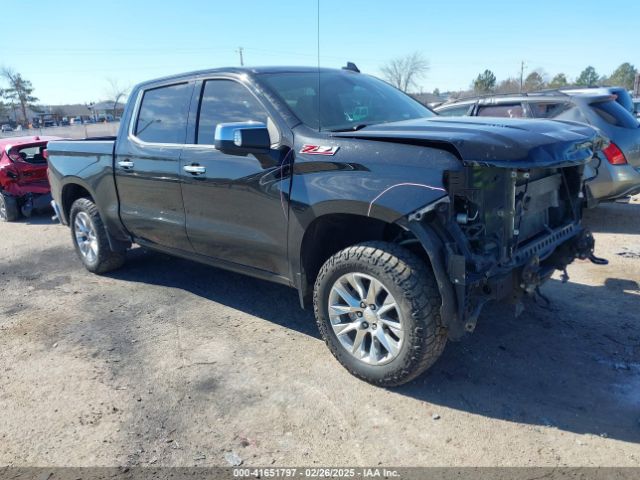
<point x="236" y="207"/>
<point x="147" y="166"/>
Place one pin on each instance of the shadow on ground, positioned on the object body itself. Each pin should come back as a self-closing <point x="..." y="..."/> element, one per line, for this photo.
<point x="272" y="302"/>
<point x="614" y="218"/>
<point x="39" y="218"/>
<point x="575" y="366"/>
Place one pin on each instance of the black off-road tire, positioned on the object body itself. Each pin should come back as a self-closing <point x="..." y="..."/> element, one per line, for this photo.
<point x="412" y="283"/>
<point x="106" y="259"/>
<point x="9" y="211"/>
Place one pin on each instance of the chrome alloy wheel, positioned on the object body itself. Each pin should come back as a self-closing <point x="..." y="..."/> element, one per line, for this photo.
<point x="366" y="318"/>
<point x="86" y="238"/>
<point x="3" y="209"/>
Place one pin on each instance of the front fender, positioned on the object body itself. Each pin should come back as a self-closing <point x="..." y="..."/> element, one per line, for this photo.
<point x="435" y="250"/>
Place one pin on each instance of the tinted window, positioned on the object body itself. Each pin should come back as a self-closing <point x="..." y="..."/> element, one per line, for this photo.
<point x="225" y="101"/>
<point x="454" y="111"/>
<point x="615" y="114"/>
<point x="508" y="111"/>
<point x="163" y="114"/>
<point x="343" y="100"/>
<point x="548" y="109"/>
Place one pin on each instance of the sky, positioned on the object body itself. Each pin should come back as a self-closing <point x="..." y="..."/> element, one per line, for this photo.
<point x="71" y="49"/>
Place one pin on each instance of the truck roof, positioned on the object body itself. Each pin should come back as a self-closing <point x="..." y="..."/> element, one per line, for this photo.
<point x="248" y="70"/>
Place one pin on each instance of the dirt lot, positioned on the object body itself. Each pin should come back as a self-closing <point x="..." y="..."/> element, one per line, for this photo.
<point x="168" y="362"/>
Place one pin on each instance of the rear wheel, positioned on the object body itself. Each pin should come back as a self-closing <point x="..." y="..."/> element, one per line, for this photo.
<point x="378" y="309"/>
<point x="90" y="239"/>
<point x="9" y="211"/>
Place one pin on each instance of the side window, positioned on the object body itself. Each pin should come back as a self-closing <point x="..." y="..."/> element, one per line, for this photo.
<point x="29" y="155"/>
<point x="513" y="110"/>
<point x="548" y="109"/>
<point x="163" y="114"/>
<point x="225" y="101"/>
<point x="454" y="111"/>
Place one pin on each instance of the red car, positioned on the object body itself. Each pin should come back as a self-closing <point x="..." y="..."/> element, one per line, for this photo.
<point x="23" y="176"/>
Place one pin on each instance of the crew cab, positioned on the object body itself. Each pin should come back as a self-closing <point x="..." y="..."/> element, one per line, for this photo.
<point x="395" y="225"/>
<point x="23" y="176"/>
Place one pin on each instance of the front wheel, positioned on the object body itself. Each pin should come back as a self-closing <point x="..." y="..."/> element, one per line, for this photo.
<point x="377" y="306"/>
<point x="90" y="239"/>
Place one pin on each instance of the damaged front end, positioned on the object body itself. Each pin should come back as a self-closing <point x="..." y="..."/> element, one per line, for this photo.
<point x="500" y="233"/>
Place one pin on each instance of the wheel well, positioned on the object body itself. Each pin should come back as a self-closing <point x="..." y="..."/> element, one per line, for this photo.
<point x="71" y="193"/>
<point x="331" y="233"/>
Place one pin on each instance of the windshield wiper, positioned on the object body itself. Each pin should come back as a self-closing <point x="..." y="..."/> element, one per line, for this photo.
<point x="353" y="128"/>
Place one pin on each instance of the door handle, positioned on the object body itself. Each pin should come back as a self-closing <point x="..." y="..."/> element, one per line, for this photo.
<point x="126" y="164"/>
<point x="195" y="169"/>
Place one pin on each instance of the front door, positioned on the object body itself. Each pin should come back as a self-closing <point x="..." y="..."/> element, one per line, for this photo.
<point x="147" y="167"/>
<point x="236" y="207"/>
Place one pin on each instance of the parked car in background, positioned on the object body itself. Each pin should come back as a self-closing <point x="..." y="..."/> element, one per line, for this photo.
<point x="6" y="128"/>
<point x="23" y="176"/>
<point x="616" y="175"/>
<point x="395" y="225"/>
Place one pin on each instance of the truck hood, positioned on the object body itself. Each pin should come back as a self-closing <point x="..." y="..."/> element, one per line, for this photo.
<point x="498" y="142"/>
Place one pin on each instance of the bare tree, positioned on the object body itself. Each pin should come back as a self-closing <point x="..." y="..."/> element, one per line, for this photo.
<point x="116" y="92"/>
<point x="3" y="106"/>
<point x="509" y="85"/>
<point x="19" y="91"/>
<point x="404" y="72"/>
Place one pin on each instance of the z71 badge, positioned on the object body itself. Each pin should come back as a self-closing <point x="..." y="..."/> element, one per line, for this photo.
<point x="318" y="150"/>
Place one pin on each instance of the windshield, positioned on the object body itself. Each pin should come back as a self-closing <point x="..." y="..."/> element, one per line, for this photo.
<point x="348" y="101"/>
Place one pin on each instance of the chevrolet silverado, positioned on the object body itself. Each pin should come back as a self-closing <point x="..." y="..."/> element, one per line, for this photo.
<point x="396" y="225"/>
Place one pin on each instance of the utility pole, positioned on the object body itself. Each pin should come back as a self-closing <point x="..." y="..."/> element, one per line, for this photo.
<point x="521" y="75"/>
<point x="240" y="50"/>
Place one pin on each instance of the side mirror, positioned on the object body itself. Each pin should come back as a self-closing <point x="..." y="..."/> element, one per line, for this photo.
<point x="242" y="138"/>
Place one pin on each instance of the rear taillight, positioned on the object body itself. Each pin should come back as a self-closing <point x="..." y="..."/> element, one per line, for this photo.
<point x="614" y="155"/>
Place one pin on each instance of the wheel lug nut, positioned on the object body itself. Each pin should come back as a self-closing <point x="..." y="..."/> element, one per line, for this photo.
<point x="359" y="314"/>
<point x="365" y="325"/>
<point x="372" y="307"/>
<point x="363" y="305"/>
<point x="374" y="325"/>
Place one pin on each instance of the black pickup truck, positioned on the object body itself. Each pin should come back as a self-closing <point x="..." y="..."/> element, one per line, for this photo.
<point x="395" y="224"/>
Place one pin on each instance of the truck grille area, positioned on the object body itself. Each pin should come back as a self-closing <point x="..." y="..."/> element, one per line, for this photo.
<point x="504" y="217"/>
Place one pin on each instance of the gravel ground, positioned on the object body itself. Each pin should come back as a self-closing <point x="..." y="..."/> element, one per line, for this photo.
<point x="167" y="362"/>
